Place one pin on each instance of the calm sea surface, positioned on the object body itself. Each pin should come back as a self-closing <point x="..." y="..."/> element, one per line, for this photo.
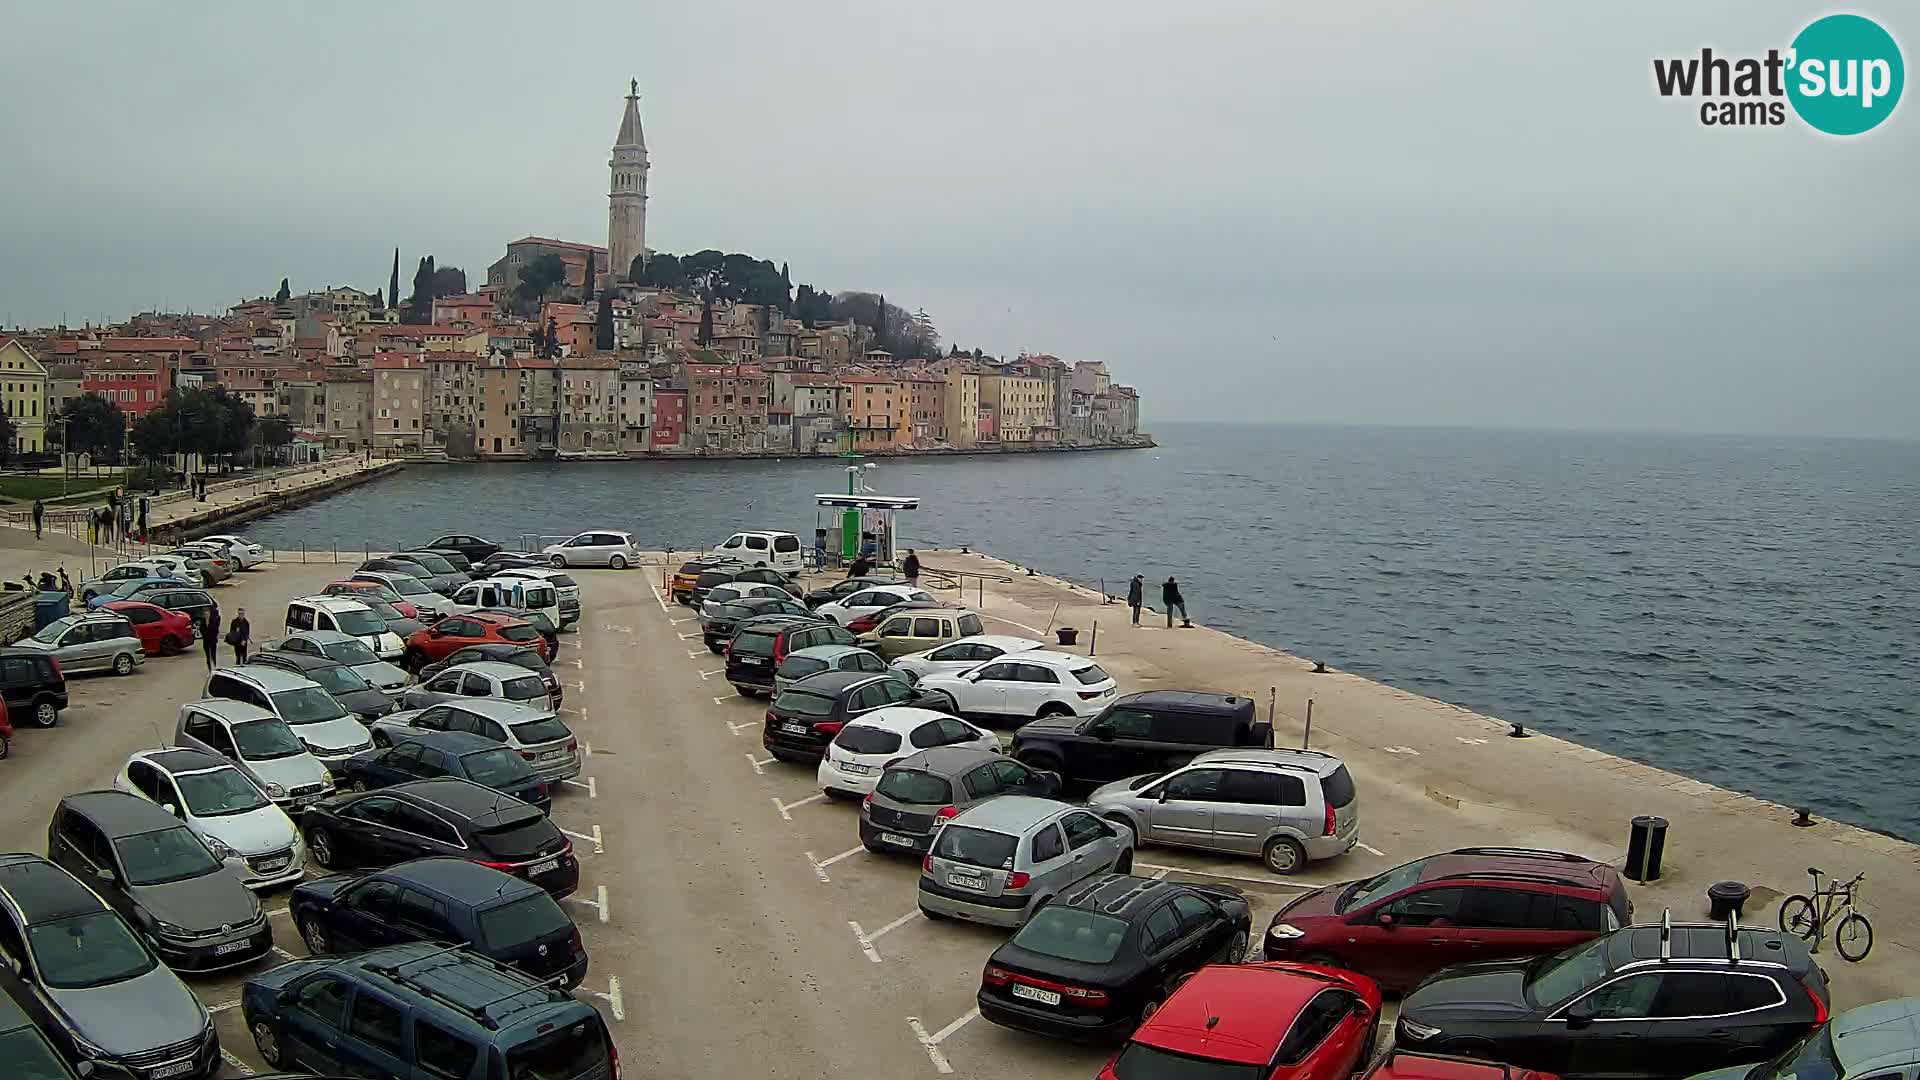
<point x="1742" y="610"/>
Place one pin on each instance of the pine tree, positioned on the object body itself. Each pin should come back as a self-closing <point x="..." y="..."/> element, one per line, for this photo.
<point x="393" y="283"/>
<point x="553" y="338"/>
<point x="586" y="282"/>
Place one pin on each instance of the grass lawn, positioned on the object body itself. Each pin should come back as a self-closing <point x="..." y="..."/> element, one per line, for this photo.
<point x="28" y="487"/>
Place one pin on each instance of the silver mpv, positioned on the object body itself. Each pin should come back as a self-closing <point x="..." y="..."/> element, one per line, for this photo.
<point x="999" y="861"/>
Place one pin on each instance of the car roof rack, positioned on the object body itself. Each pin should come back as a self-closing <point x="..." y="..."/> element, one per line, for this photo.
<point x="1509" y="875"/>
<point x="1733" y="938"/>
<point x="397" y="973"/>
<point x="1666" y="933"/>
<point x="1526" y="852"/>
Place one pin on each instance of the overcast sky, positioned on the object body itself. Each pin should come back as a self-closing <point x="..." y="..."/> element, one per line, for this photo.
<point x="1414" y="213"/>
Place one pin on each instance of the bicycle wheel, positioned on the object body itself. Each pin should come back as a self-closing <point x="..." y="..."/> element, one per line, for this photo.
<point x="1799" y="917"/>
<point x="1854" y="937"/>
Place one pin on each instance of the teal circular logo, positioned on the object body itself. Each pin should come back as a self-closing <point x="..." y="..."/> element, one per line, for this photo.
<point x="1846" y="74"/>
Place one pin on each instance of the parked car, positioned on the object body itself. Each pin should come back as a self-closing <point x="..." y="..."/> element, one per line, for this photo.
<point x="425" y="755"/>
<point x="1460" y="906"/>
<point x="810" y="713"/>
<point x="481" y="679"/>
<point x="910" y="628"/>
<point x="117" y="576"/>
<point x="349" y="649"/>
<point x="1107" y="953"/>
<point x="343" y="614"/>
<point x="520" y="655"/>
<point x="680" y="587"/>
<point x="343" y="684"/>
<point x="430" y="605"/>
<point x="544" y="626"/>
<point x="1871" y="1041"/>
<point x="1142" y="733"/>
<point x="446" y="816"/>
<point x="917" y="794"/>
<point x="709" y="579"/>
<point x="846" y="587"/>
<point x="142" y="589"/>
<point x="188" y="600"/>
<point x="96" y="641"/>
<point x="6" y="732"/>
<point x="455" y="632"/>
<point x="427" y="1006"/>
<point x="509" y="560"/>
<point x="513" y="592"/>
<point x="161" y="878"/>
<point x="963" y="653"/>
<point x="179" y="566"/>
<point x="539" y="736"/>
<point x="393" y="564"/>
<point x="475" y="548"/>
<point x="737" y="590"/>
<point x="778" y="551"/>
<point x="611" y="549"/>
<point x="760" y="644"/>
<point x="1037" y="684"/>
<point x="439" y="574"/>
<point x="91" y="983"/>
<point x="1006" y="858"/>
<point x="1667" y="1000"/>
<point x="1261" y="1020"/>
<point x="719" y="622"/>
<point x="32" y="686"/>
<point x="815" y="659"/>
<point x="162" y="632"/>
<point x="862" y="749"/>
<point x="449" y="901"/>
<point x="368" y="591"/>
<point x="259" y="744"/>
<point x="1400" y="1064"/>
<point x="25" y="1049"/>
<point x="880" y="596"/>
<point x="458" y="561"/>
<point x="568" y="588"/>
<point x="226" y="809"/>
<point x="242" y="551"/>
<point x="1287" y="807"/>
<point x="323" y="725"/>
<point x="867" y="623"/>
<point x="212" y="567"/>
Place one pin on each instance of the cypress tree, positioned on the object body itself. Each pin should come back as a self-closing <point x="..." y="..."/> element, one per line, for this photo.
<point x="586" y="282"/>
<point x="282" y="296"/>
<point x="393" y="283"/>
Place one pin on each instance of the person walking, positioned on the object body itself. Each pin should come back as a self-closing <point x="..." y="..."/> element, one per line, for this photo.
<point x="239" y="634"/>
<point x="912" y="567"/>
<point x="1136" y="595"/>
<point x="1170" y="596"/>
<point x="210" y="635"/>
<point x="860" y="567"/>
<point x="39" y="515"/>
<point x="143" y="516"/>
<point x="66" y="583"/>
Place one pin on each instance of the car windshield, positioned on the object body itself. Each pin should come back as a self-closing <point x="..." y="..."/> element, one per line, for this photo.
<point x="525" y="658"/>
<point x="349" y="652"/>
<point x="338" y="680"/>
<point x="798" y="702"/>
<point x="579" y="1050"/>
<point x="306" y="705"/>
<point x="52" y="631"/>
<point x="219" y="792"/>
<point x="169" y="855"/>
<point x="914" y="786"/>
<point x="524" y="688"/>
<point x="1553" y="979"/>
<point x="381" y="608"/>
<point x="1091" y="674"/>
<point x="433" y="562"/>
<point x="1085" y="937"/>
<point x="799" y="667"/>
<point x="563" y="581"/>
<point x="1811" y="1058"/>
<point x="522" y="922"/>
<point x="519" y="632"/>
<point x="1138" y="1061"/>
<point x="1382" y="885"/>
<point x="1338" y="786"/>
<point x="864" y="739"/>
<point x="359" y="623"/>
<point x="408" y="585"/>
<point x="496" y="768"/>
<point x="29" y="1057"/>
<point x="545" y="729"/>
<point x="87" y="950"/>
<point x="976" y="847"/>
<point x="265" y="740"/>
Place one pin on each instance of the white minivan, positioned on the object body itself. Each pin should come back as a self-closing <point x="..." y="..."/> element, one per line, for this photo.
<point x="532" y="595"/>
<point x="347" y="615"/>
<point x="775" y="550"/>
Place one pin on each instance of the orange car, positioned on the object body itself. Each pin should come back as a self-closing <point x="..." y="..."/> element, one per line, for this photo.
<point x="431" y="644"/>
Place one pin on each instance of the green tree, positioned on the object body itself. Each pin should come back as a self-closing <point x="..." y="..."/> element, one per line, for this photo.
<point x="393" y="283"/>
<point x="447" y="281"/>
<point x="603" y="323"/>
<point x="276" y="435"/>
<point x="155" y="436"/>
<point x="586" y="279"/>
<point x="537" y="278"/>
<point x="7" y="435"/>
<point x="94" y="426"/>
<point x="553" y="338"/>
<point x="284" y="294"/>
<point x="420" y="304"/>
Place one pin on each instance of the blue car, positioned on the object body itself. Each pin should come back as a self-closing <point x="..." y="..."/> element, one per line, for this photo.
<point x="134" y="590"/>
<point x="418" y="754"/>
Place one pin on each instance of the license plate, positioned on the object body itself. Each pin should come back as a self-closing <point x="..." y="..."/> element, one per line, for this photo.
<point x="276" y="864"/>
<point x="896" y="838"/>
<point x="977" y="884"/>
<point x="544" y="867"/>
<point x="856" y="770"/>
<point x="1034" y="993"/>
<point x="178" y="1068"/>
<point x="754" y="660"/>
<point x="232" y="947"/>
<point x="795" y="729"/>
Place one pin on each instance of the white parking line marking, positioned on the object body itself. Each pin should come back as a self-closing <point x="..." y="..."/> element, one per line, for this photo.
<point x="1160" y="873"/>
<point x="691" y="655"/>
<point x="819" y="871"/>
<point x="575" y="662"/>
<point x="235" y="1063"/>
<point x="724" y="700"/>
<point x="658" y="599"/>
<point x="681" y="622"/>
<point x="932" y="1042"/>
<point x="1469" y="742"/>
<point x="592" y="786"/>
<point x="616" y="1004"/>
<point x="223" y="1006"/>
<point x="820" y="865"/>
<point x="1227" y="877"/>
<point x="580" y="686"/>
<point x="1371" y="850"/>
<point x="737" y="728"/>
<point x="866" y="943"/>
<point x="592" y="838"/>
<point x="785" y="807"/>
<point x="757" y="763"/>
<point x="711" y="674"/>
<point x="617" y="629"/>
<point x="895" y="924"/>
<point x="283" y="954"/>
<point x="586" y="748"/>
<point x="1401" y="750"/>
<point x="689" y="637"/>
<point x="598" y="903"/>
<point x="278" y="912"/>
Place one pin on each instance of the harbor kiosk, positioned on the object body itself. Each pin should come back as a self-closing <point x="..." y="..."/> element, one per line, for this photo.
<point x="842" y="522"/>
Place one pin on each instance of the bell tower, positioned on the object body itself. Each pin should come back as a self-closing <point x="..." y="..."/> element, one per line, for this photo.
<point x="627" y="191"/>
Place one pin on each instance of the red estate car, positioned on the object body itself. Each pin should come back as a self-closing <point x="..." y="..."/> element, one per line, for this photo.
<point x="6" y="731"/>
<point x="1268" y="1021"/>
<point x="455" y="632"/>
<point x="1401" y="1065"/>
<point x="162" y="631"/>
<point x="1458" y="907"/>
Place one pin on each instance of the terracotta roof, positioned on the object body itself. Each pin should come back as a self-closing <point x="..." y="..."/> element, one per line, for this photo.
<point x="869" y="379"/>
<point x="153" y="344"/>
<point x="550" y="242"/>
<point x="451" y="357"/>
<point x="590" y="362"/>
<point x="390" y="361"/>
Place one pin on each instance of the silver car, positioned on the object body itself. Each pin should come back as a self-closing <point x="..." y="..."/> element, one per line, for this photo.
<point x="998" y="862"/>
<point x="344" y="648"/>
<point x="481" y="679"/>
<point x="214" y="567"/>
<point x="917" y="794"/>
<point x="540" y="737"/>
<point x="815" y="659"/>
<point x="99" y="641"/>
<point x="1284" y="807"/>
<point x="259" y="744"/>
<point x="599" y="548"/>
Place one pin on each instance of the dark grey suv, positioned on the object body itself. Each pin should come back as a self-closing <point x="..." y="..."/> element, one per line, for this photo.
<point x="917" y="794"/>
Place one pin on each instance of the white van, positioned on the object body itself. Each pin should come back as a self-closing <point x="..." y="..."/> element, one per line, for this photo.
<point x="533" y="595"/>
<point x="775" y="550"/>
<point x="347" y="615"/>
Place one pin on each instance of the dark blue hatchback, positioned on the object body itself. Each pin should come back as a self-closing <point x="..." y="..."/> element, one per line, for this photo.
<point x="425" y="755"/>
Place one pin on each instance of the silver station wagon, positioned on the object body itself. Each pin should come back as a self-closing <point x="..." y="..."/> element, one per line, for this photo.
<point x="999" y="861"/>
<point x="916" y="795"/>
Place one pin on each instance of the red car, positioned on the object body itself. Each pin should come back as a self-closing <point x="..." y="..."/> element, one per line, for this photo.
<point x="430" y="644"/>
<point x="1256" y="1022"/>
<point x="162" y="631"/>
<point x="375" y="590"/>
<point x="6" y="731"/>
<point x="1402" y="1065"/>
<point x="1462" y="906"/>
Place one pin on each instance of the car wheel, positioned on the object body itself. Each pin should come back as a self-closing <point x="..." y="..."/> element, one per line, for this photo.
<point x="315" y="936"/>
<point x="414" y="660"/>
<point x="45" y="713"/>
<point x="172" y="646"/>
<point x="1038" y="759"/>
<point x="382" y="739"/>
<point x="123" y="664"/>
<point x="320" y="847"/>
<point x="1322" y="959"/>
<point x="1154" y="1001"/>
<point x="6" y="747"/>
<point x="618" y="562"/>
<point x="267" y="1041"/>
<point x="357" y="785"/>
<point x="1284" y="855"/>
<point x="1237" y="952"/>
<point x="1052" y="709"/>
<point x="558" y="562"/>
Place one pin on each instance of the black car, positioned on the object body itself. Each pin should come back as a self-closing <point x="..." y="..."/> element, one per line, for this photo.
<point x="33" y="686"/>
<point x="717" y="575"/>
<point x="191" y="602"/>
<point x="804" y="718"/>
<point x="28" y="1054"/>
<point x="452" y="901"/>
<point x="511" y="560"/>
<point x="846" y="587"/>
<point x="345" y="685"/>
<point x="161" y="878"/>
<point x="1101" y="955"/>
<point x="440" y="574"/>
<point x="761" y="641"/>
<point x="1644" y="1000"/>
<point x="424" y="818"/>
<point x="458" y="562"/>
<point x="525" y="656"/>
<point x="536" y="619"/>
<point x="412" y="569"/>
<point x="717" y="628"/>
<point x="425" y="755"/>
<point x="1149" y="732"/>
<point x="475" y="548"/>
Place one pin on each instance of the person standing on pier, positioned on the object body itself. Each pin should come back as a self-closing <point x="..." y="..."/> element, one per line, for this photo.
<point x="239" y="634"/>
<point x="1170" y="596"/>
<point x="210" y="636"/>
<point x="911" y="567"/>
<point x="143" y="517"/>
<point x="39" y="515"/>
<point x="1136" y="595"/>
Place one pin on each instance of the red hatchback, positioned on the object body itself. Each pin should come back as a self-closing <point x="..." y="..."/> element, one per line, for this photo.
<point x="1256" y="1022"/>
<point x="162" y="631"/>
<point x="430" y="644"/>
<point x="375" y="590"/>
<point x="1401" y="1065"/>
<point x="1462" y="906"/>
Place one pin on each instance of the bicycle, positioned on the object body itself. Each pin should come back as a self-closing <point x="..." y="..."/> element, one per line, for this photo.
<point x="1808" y="917"/>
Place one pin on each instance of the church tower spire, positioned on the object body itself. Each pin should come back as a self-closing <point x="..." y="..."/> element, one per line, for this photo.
<point x="627" y="191"/>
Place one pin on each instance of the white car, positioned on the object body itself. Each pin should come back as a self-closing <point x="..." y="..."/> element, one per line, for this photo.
<point x="865" y="747"/>
<point x="871" y="600"/>
<point x="1024" y="686"/>
<point x="229" y="813"/>
<point x="349" y="650"/>
<point x="432" y="605"/>
<point x="245" y="553"/>
<point x="614" y="549"/>
<point x="737" y="590"/>
<point x="963" y="654"/>
<point x="178" y="566"/>
<point x="568" y="589"/>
